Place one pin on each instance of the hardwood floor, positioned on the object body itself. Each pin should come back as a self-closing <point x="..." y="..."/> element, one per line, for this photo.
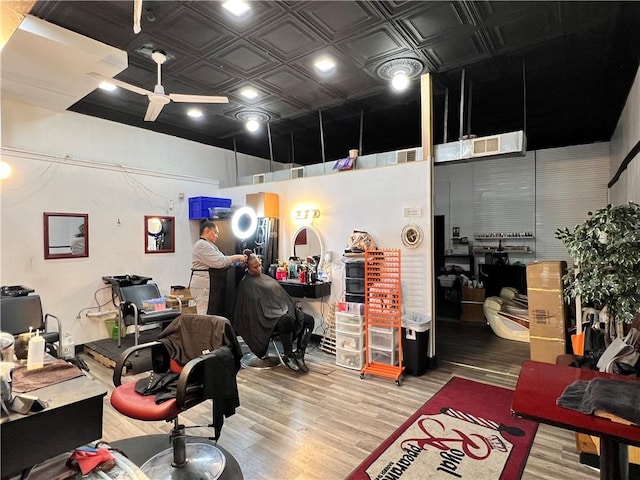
<point x="321" y="425"/>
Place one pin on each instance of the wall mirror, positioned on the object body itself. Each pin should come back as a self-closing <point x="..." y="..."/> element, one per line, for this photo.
<point x="159" y="234"/>
<point x="307" y="243"/>
<point x="66" y="235"/>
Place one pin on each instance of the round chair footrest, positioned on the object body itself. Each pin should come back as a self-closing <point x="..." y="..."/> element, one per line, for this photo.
<point x="250" y="360"/>
<point x="203" y="461"/>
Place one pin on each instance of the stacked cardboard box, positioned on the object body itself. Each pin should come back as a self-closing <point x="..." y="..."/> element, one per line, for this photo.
<point x="188" y="303"/>
<point x="547" y="310"/>
<point x="471" y="306"/>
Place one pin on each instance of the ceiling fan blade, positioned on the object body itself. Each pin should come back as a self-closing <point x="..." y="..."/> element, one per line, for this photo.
<point x="121" y="84"/>
<point x="177" y="97"/>
<point x="153" y="110"/>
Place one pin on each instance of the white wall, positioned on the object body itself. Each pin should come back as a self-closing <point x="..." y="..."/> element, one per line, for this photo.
<point x="67" y="162"/>
<point x="625" y="137"/>
<point x="372" y="200"/>
<point x="538" y="192"/>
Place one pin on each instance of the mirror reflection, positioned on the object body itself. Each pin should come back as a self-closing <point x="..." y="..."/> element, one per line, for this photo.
<point x="66" y="235"/>
<point x="307" y="243"/>
<point x="160" y="234"/>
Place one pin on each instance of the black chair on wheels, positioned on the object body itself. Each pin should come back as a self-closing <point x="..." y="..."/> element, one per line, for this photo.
<point x="19" y="313"/>
<point x="133" y="313"/>
<point x="208" y="376"/>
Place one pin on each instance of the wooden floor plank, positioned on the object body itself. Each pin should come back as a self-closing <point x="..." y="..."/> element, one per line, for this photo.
<point x="321" y="425"/>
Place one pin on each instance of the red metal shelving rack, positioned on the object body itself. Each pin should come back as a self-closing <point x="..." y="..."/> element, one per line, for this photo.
<point x="383" y="306"/>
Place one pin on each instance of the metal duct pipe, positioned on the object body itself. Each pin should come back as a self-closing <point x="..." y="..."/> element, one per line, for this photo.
<point x="446" y="114"/>
<point x="321" y="135"/>
<point x="235" y="154"/>
<point x="361" y="131"/>
<point x="270" y="148"/>
<point x="461" y="129"/>
<point x="469" y="107"/>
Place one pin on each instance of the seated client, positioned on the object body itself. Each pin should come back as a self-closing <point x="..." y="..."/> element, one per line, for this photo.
<point x="262" y="306"/>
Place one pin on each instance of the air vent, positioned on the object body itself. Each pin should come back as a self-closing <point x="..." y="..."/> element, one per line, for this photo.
<point x="481" y="147"/>
<point x="297" y="172"/>
<point x="259" y="178"/>
<point x="406" y="156"/>
<point x="511" y="144"/>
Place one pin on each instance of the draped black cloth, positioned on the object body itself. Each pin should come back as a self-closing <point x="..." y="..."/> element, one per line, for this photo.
<point x="260" y="303"/>
<point x="188" y="337"/>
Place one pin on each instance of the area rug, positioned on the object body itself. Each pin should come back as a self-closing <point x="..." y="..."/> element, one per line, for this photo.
<point x="465" y="431"/>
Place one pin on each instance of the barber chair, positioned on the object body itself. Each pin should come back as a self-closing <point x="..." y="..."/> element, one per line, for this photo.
<point x="19" y="313"/>
<point x="132" y="313"/>
<point x="188" y="457"/>
<point x="272" y="359"/>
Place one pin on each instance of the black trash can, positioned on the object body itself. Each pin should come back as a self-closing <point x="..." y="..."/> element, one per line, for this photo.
<point x="415" y="343"/>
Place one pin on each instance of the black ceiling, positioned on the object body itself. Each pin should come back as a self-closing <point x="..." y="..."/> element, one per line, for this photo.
<point x="573" y="62"/>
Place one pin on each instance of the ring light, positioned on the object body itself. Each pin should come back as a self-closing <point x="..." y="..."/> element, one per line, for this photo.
<point x="154" y="226"/>
<point x="242" y="232"/>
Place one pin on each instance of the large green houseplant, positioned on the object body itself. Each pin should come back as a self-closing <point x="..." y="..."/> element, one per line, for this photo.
<point x="606" y="249"/>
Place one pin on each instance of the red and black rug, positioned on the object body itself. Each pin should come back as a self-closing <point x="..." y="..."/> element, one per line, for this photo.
<point x="465" y="431"/>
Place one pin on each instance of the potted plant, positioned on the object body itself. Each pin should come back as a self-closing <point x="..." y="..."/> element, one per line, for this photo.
<point x="606" y="249"/>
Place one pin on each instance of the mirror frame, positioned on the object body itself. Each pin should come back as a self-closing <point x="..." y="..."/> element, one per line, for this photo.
<point x="47" y="216"/>
<point x="316" y="232"/>
<point x="172" y="234"/>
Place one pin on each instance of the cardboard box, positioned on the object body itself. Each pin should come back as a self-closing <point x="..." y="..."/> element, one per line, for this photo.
<point x="460" y="249"/>
<point x="183" y="293"/>
<point x="546" y="349"/>
<point x="548" y="312"/>
<point x="473" y="294"/>
<point x="472" y="312"/>
<point x="264" y="204"/>
<point x="546" y="275"/>
<point x="589" y="444"/>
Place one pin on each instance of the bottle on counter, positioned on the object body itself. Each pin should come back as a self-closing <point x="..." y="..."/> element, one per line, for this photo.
<point x="35" y="357"/>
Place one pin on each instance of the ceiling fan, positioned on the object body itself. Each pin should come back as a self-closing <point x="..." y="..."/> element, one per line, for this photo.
<point x="158" y="98"/>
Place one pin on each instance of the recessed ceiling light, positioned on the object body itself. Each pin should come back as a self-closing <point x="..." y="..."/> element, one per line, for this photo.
<point x="109" y="87"/>
<point x="237" y="7"/>
<point x="194" y="112"/>
<point x="252" y="125"/>
<point x="249" y="92"/>
<point x="252" y="119"/>
<point x="325" y="65"/>
<point x="400" y="81"/>
<point x="400" y="71"/>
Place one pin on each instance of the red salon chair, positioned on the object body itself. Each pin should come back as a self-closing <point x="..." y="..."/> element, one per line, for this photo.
<point x="208" y="376"/>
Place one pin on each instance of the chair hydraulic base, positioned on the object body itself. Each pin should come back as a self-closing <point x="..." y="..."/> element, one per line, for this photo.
<point x="202" y="461"/>
<point x="250" y="360"/>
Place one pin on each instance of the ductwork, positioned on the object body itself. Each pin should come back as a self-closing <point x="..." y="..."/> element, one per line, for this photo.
<point x="507" y="144"/>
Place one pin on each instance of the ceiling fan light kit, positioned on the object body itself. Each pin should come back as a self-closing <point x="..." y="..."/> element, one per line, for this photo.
<point x="158" y="98"/>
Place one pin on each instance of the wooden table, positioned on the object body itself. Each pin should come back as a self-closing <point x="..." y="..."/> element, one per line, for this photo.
<point x="540" y="384"/>
<point x="73" y="418"/>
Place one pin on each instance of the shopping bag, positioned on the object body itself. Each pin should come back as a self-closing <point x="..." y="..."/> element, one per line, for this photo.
<point x="620" y="350"/>
<point x="577" y="343"/>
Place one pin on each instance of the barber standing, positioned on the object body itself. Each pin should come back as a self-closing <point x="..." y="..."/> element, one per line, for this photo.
<point x="208" y="271"/>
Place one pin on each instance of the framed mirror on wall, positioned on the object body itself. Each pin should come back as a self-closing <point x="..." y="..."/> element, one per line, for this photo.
<point x="159" y="234"/>
<point x="66" y="235"/>
<point x="307" y="243"/>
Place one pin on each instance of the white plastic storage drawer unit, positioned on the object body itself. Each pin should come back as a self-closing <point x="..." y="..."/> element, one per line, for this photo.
<point x="385" y="338"/>
<point x="353" y="359"/>
<point x="383" y="355"/>
<point x="352" y="341"/>
<point x="349" y="323"/>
